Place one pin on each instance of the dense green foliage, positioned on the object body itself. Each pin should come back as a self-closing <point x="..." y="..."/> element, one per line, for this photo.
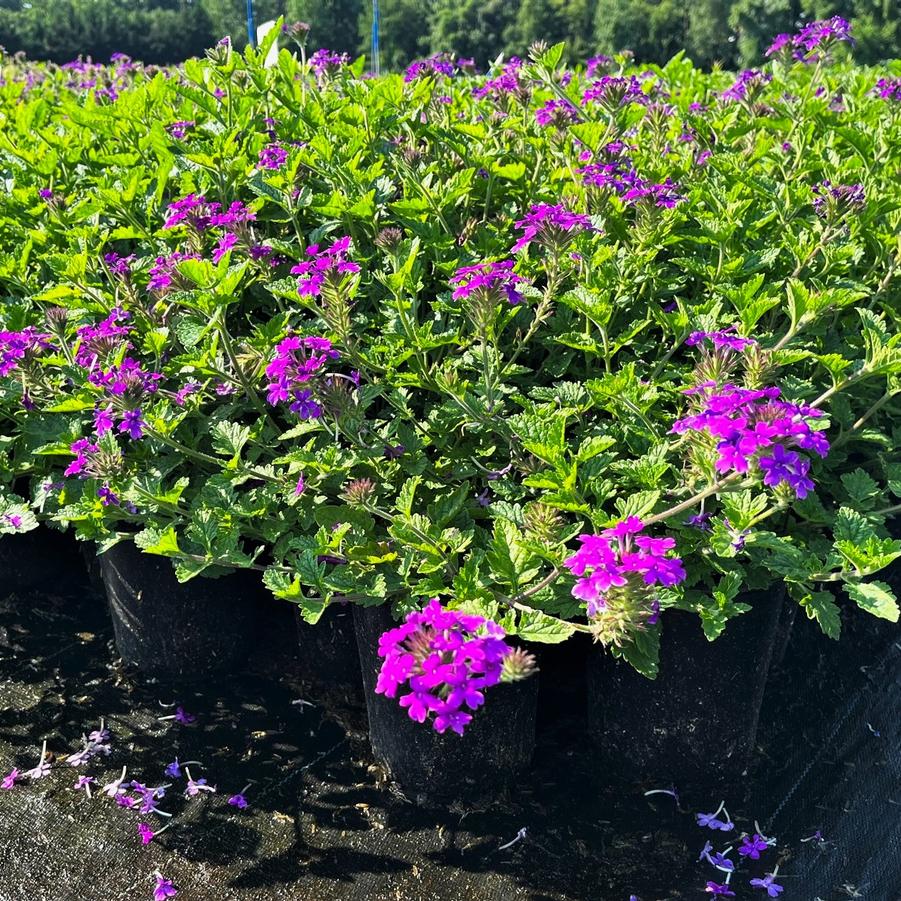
<point x="729" y="32"/>
<point x="458" y="443"/>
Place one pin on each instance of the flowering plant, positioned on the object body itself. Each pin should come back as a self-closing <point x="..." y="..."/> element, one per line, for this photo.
<point x="562" y="351"/>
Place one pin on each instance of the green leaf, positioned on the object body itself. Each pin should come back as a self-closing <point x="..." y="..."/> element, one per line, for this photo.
<point x="821" y="606"/>
<point x="874" y="597"/>
<point x="861" y="487"/>
<point x="539" y="627"/>
<point x="229" y="438"/>
<point x="153" y="541"/>
<point x="643" y="651"/>
<point x="407" y="495"/>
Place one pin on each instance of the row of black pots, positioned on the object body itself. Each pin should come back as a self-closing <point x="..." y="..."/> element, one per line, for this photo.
<point x="695" y="723"/>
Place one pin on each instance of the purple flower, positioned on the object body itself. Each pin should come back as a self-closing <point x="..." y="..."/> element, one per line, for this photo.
<point x="196" y="786"/>
<point x="507" y="82"/>
<point x="11" y="778"/>
<point x="496" y="281"/>
<point x="773" y="889"/>
<point x="272" y="156"/>
<point x="187" y="389"/>
<point x="84" y="782"/>
<point x="83" y="450"/>
<point x="558" y="113"/>
<point x="700" y="521"/>
<point x="712" y="821"/>
<point x="173" y="769"/>
<point x="614" y="91"/>
<point x="146" y="833"/>
<point x="721" y="862"/>
<point x="107" y="496"/>
<point x="164" y="889"/>
<point x="441" y="64"/>
<point x="164" y="272"/>
<point x="327" y="62"/>
<point x="238" y="801"/>
<point x="21" y="347"/>
<point x="179" y="129"/>
<point x="301" y="486"/>
<point x="834" y="202"/>
<point x="132" y="424"/>
<point x="721" y="339"/>
<point x="296" y="362"/>
<point x="622" y="564"/>
<point x="715" y="888"/>
<point x="549" y="225"/>
<point x="120" y="266"/>
<point x="184" y="718"/>
<point x="888" y="88"/>
<point x="103" y="420"/>
<point x="747" y="86"/>
<point x="226" y="243"/>
<point x="751" y="846"/>
<point x="330" y="265"/>
<point x="595" y="63"/>
<point x="446" y="659"/>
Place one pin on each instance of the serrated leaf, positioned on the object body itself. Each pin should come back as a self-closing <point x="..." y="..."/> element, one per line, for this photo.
<point x="153" y="541"/>
<point x="874" y="597"/>
<point x="821" y="606"/>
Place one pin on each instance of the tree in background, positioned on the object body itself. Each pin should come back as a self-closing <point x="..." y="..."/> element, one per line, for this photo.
<point x="405" y="31"/>
<point x="552" y="21"/>
<point x="726" y="32"/>
<point x="708" y="33"/>
<point x="877" y="24"/>
<point x="757" y="22"/>
<point x="333" y="23"/>
<point x="654" y="30"/>
<point x="473" y="28"/>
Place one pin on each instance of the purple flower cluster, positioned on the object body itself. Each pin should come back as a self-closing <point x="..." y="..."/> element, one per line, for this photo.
<point x="558" y="113"/>
<point x="618" y="175"/>
<point x="272" y="156"/>
<point x="447" y="659"/>
<point x="595" y="64"/>
<point x="328" y="62"/>
<point x="17" y="347"/>
<point x="194" y="211"/>
<point x="820" y="34"/>
<point x="888" y="89"/>
<point x="755" y="427"/>
<point x="507" y="82"/>
<point x="721" y="339"/>
<point x="96" y="342"/>
<point x="835" y="201"/>
<point x="118" y="265"/>
<point x="550" y="225"/>
<point x="748" y="84"/>
<point x="614" y="558"/>
<point x="330" y="264"/>
<point x="180" y="129"/>
<point x="496" y="281"/>
<point x="614" y="91"/>
<point x="296" y="362"/>
<point x="164" y="271"/>
<point x="439" y="64"/>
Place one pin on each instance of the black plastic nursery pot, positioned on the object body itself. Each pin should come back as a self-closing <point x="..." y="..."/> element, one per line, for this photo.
<point x="186" y="631"/>
<point x="329" y="662"/>
<point x="41" y="559"/>
<point x="696" y="723"/>
<point x="496" y="747"/>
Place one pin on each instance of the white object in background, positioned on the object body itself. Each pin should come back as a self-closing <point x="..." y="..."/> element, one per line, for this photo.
<point x="272" y="55"/>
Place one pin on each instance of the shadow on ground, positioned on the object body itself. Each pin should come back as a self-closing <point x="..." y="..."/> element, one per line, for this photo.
<point x="323" y="823"/>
